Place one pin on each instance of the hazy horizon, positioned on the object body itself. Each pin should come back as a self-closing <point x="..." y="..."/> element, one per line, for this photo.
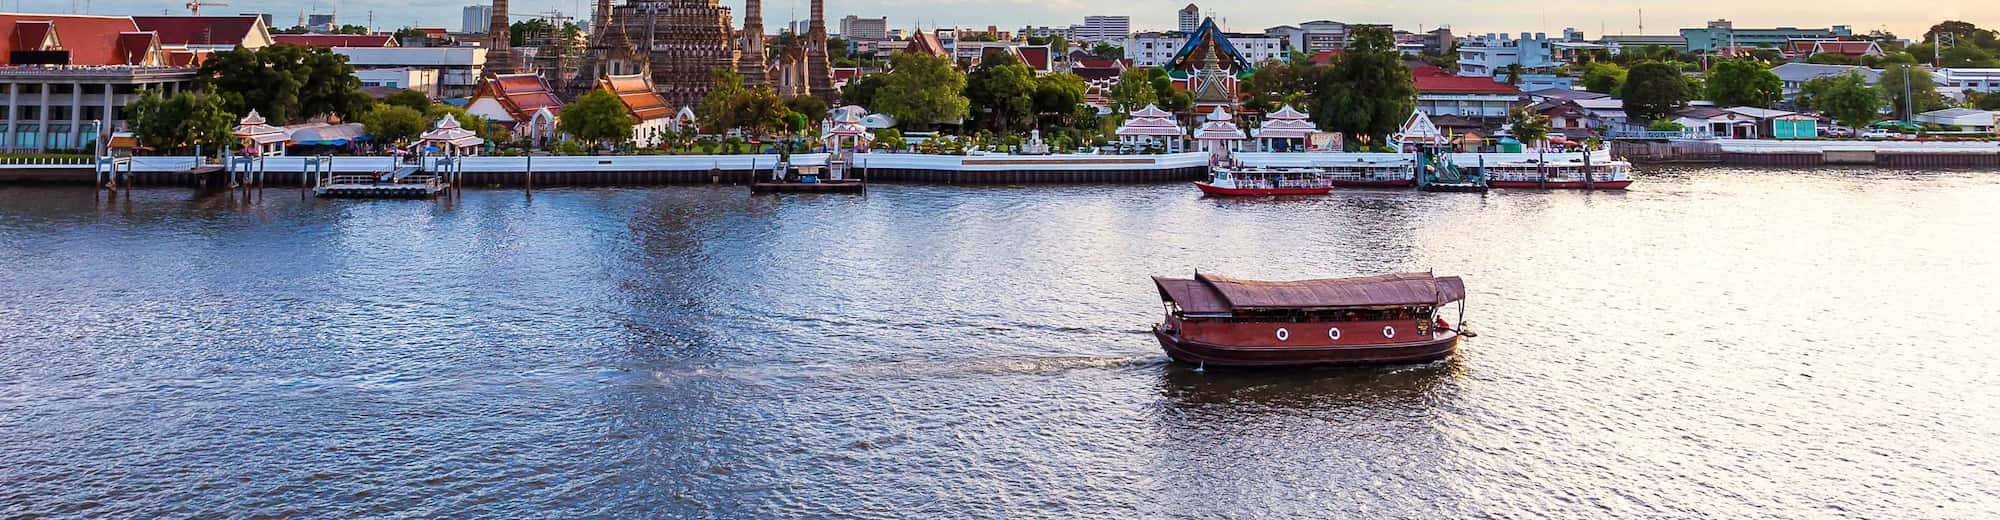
<point x="1465" y="17"/>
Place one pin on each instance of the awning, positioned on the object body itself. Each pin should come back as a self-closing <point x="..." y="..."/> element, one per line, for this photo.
<point x="1207" y="294"/>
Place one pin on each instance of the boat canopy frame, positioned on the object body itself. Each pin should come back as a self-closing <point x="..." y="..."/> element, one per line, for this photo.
<point x="1209" y="296"/>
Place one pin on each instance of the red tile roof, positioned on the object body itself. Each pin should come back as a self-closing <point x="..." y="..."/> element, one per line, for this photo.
<point x="520" y="94"/>
<point x="637" y="94"/>
<point x="199" y="30"/>
<point x="1853" y="49"/>
<point x="135" y="47"/>
<point x="1323" y="57"/>
<point x="337" y="40"/>
<point x="1433" y="80"/>
<point x="846" y="73"/>
<point x="1035" y="57"/>
<point x="90" y="40"/>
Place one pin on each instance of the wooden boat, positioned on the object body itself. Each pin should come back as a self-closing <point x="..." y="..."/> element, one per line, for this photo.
<point x="1227" y="182"/>
<point x="1382" y="319"/>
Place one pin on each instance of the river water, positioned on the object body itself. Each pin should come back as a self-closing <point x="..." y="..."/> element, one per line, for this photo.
<point x="1712" y="343"/>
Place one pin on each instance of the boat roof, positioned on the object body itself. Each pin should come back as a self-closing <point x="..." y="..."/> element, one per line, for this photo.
<point x="1220" y="295"/>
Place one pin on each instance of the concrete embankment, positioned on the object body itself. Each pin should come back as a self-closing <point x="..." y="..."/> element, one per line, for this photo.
<point x="644" y="170"/>
<point x="1889" y="154"/>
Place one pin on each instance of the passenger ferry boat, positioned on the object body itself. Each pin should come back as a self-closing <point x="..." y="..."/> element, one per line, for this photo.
<point x="1234" y="182"/>
<point x="1595" y="170"/>
<point x="1382" y="319"/>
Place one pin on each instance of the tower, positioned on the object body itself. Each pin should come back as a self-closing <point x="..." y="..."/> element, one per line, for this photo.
<point x="499" y="48"/>
<point x="819" y="70"/>
<point x="750" y="62"/>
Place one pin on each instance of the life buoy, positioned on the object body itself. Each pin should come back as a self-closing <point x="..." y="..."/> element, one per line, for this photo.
<point x="1388" y="331"/>
<point x="1283" y="334"/>
<point x="1333" y="334"/>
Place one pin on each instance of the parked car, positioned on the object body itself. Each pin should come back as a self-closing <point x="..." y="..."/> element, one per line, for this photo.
<point x="1878" y="133"/>
<point x="1839" y="131"/>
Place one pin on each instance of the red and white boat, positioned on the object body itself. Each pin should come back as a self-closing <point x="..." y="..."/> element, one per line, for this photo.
<point x="1382" y="319"/>
<point x="1227" y="182"/>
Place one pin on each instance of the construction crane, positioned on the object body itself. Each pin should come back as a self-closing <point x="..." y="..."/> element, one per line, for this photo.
<point x="194" y="6"/>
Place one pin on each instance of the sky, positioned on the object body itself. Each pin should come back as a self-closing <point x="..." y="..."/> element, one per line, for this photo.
<point x="1906" y="19"/>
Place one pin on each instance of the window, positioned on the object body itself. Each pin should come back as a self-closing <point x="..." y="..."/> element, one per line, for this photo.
<point x="62" y="88"/>
<point x="31" y="112"/>
<point x="59" y="112"/>
<point x="31" y="88"/>
<point x="93" y="113"/>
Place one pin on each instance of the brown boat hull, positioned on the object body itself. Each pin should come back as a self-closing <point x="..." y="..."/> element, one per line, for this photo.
<point x="1198" y="353"/>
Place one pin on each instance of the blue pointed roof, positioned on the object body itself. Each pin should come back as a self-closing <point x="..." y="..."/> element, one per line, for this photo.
<point x="1206" y="33"/>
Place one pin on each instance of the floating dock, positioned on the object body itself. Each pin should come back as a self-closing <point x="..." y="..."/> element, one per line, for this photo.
<point x="402" y="183"/>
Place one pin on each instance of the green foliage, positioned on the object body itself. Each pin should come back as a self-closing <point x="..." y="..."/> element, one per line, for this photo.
<point x="1107" y="50"/>
<point x="1664" y="125"/>
<point x="1603" y="77"/>
<point x="1514" y="74"/>
<point x="812" y="108"/>
<point x="519" y="32"/>
<point x="1922" y="96"/>
<point x="409" y="98"/>
<point x="1828" y="58"/>
<point x="717" y="112"/>
<point x="1527" y="125"/>
<point x="567" y="148"/>
<point x="1846" y="98"/>
<point x="410" y="32"/>
<point x="1988" y="102"/>
<point x="1275" y="84"/>
<point x="1743" y="83"/>
<point x="393" y="124"/>
<point x="862" y="91"/>
<point x="1164" y="93"/>
<point x="1368" y="91"/>
<point x="596" y="117"/>
<point x="1133" y="91"/>
<point x="760" y="111"/>
<point x="1001" y="93"/>
<point x="350" y="29"/>
<point x="185" y="120"/>
<point x="476" y="124"/>
<point x="1058" y="97"/>
<point x="922" y="90"/>
<point x="1654" y="90"/>
<point x="284" y="82"/>
<point x="1964" y="33"/>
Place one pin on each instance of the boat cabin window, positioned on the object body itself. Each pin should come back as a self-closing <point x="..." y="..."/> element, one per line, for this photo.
<point x="1416" y="312"/>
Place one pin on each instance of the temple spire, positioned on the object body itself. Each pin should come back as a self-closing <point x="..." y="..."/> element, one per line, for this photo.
<point x="750" y="62"/>
<point x="819" y="71"/>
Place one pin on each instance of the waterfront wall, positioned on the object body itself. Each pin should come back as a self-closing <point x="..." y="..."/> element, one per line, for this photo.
<point x="626" y="170"/>
<point x="1751" y="152"/>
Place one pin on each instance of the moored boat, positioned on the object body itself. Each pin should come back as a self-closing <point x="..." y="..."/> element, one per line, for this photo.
<point x="1229" y="182"/>
<point x="1575" y="171"/>
<point x="1382" y="319"/>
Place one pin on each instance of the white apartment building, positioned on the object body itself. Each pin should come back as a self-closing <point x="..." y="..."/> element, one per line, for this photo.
<point x="475" y="19"/>
<point x="856" y="28"/>
<point x="458" y="68"/>
<point x="1113" y="29"/>
<point x="1490" y="55"/>
<point x="1955" y="81"/>
<point x="1190" y="18"/>
<point x="420" y="80"/>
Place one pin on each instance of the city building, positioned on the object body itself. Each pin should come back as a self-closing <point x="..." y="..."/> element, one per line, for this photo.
<point x="67" y="78"/>
<point x="1966" y="119"/>
<point x="1190" y="19"/>
<point x="1620" y="42"/>
<point x="867" y="29"/>
<point x="406" y="78"/>
<point x="1440" y="93"/>
<point x="1720" y="34"/>
<point x="1040" y="31"/>
<point x="458" y="68"/>
<point x="1795" y="75"/>
<point x="208" y="33"/>
<point x="1100" y="29"/>
<point x="475" y="19"/>
<point x="337" y="40"/>
<point x="322" y="22"/>
<point x="1491" y="55"/>
<point x="1955" y="82"/>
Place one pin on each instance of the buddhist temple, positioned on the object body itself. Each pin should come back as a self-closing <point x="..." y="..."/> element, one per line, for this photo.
<point x="500" y="57"/>
<point x="448" y="138"/>
<point x="610" y="53"/>
<point x="1151" y="126"/>
<point x="1286" y="130"/>
<point x="259" y="138"/>
<point x="651" y="114"/>
<point x="523" y="102"/>
<point x="792" y="75"/>
<point x="750" y="60"/>
<point x="1209" y="68"/>
<point x="925" y="43"/>
<point x="819" y="68"/>
<point x="1219" y="134"/>
<point x="687" y="40"/>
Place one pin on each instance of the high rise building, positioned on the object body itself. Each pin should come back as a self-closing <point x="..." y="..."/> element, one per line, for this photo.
<point x="1104" y="29"/>
<point x="323" y="23"/>
<point x="855" y="28"/>
<point x="475" y="19"/>
<point x="1190" y="18"/>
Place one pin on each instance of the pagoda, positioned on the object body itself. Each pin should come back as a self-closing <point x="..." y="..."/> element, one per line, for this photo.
<point x="610" y="53"/>
<point x="751" y="62"/>
<point x="683" y="42"/>
<point x="819" y="70"/>
<point x="1210" y="68"/>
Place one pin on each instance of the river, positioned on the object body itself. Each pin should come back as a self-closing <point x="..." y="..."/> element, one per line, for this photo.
<point x="1713" y="342"/>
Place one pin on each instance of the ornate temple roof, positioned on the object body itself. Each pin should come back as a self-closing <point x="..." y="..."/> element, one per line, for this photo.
<point x="447" y="131"/>
<point x="635" y="91"/>
<point x="254" y="128"/>
<point x="1286" y="123"/>
<point x="1219" y="126"/>
<point x="1201" y="42"/>
<point x="520" y="94"/>
<point x="1151" y="121"/>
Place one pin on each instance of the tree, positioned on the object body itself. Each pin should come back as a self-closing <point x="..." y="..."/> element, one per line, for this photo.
<point x="1368" y="92"/>
<point x="760" y="111"/>
<point x="350" y="29"/>
<point x="1828" y="58"/>
<point x="717" y="112"/>
<point x="1133" y="91"/>
<point x="596" y="117"/>
<point x="1001" y="93"/>
<point x="922" y="90"/>
<point x="1168" y="98"/>
<point x="1922" y="96"/>
<point x="393" y="124"/>
<point x="476" y="124"/>
<point x="1846" y="98"/>
<point x="410" y="32"/>
<point x="1514" y="74"/>
<point x="1057" y="97"/>
<point x="1275" y="84"/>
<point x="861" y="91"/>
<point x="1965" y="56"/>
<point x="1988" y="102"/>
<point x="185" y="120"/>
<point x="1527" y="125"/>
<point x="889" y="139"/>
<point x="284" y="82"/>
<point x="1963" y="33"/>
<point x="1107" y="50"/>
<point x="812" y="108"/>
<point x="519" y="32"/>
<point x="1654" y="90"/>
<point x="1603" y="77"/>
<point x="1743" y="83"/>
<point x="409" y="98"/>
